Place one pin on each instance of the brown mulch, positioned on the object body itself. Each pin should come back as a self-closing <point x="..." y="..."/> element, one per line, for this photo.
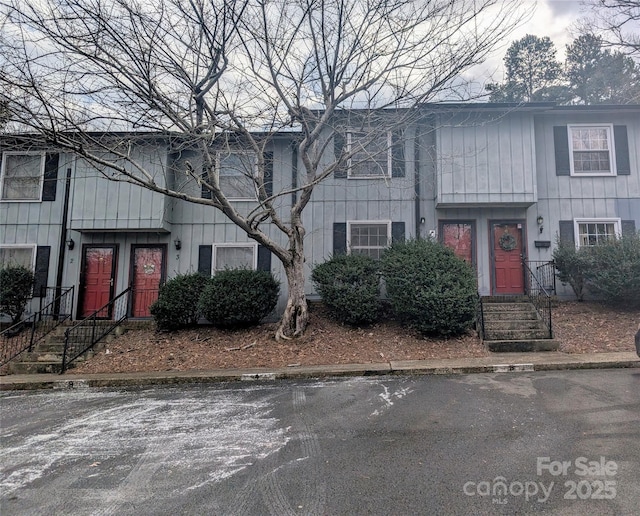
<point x="581" y="327"/>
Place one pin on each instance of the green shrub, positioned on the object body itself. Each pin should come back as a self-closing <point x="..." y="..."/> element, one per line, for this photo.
<point x="429" y="287"/>
<point x="349" y="286"/>
<point x="571" y="264"/>
<point x="239" y="297"/>
<point x="613" y="272"/>
<point x="16" y="285"/>
<point x="177" y="304"/>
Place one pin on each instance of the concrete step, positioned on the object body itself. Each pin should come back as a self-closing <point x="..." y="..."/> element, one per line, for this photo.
<point x="35" y="367"/>
<point x="515" y="324"/>
<point x="522" y="345"/>
<point x="506" y="307"/>
<point x="514" y="298"/>
<point x="494" y="334"/>
<point x="519" y="315"/>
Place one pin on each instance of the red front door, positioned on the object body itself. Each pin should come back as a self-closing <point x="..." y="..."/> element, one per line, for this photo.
<point x="508" y="273"/>
<point x="97" y="279"/>
<point x="148" y="271"/>
<point x="458" y="236"/>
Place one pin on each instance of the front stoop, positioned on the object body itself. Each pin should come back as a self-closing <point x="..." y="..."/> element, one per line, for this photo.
<point x="47" y="355"/>
<point x="512" y="325"/>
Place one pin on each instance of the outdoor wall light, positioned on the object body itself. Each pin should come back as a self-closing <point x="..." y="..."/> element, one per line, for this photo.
<point x="71" y="244"/>
<point x="540" y="221"/>
<point x="178" y="244"/>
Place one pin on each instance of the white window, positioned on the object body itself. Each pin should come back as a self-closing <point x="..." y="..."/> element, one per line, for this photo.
<point x="368" y="237"/>
<point x="235" y="256"/>
<point x="591" y="232"/>
<point x="371" y="155"/>
<point x="18" y="255"/>
<point x="22" y="175"/>
<point x="591" y="148"/>
<point x="236" y="173"/>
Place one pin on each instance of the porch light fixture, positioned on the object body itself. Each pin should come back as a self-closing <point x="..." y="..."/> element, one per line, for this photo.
<point x="178" y="244"/>
<point x="70" y="244"/>
<point x="540" y="221"/>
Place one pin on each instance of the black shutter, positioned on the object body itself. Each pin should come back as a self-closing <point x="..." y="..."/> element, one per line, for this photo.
<point x="50" y="177"/>
<point x="205" y="254"/>
<point x="41" y="273"/>
<point x="397" y="232"/>
<point x="268" y="173"/>
<point x="264" y="259"/>
<point x="567" y="235"/>
<point x="621" y="142"/>
<point x="628" y="227"/>
<point x="561" y="145"/>
<point x="339" y="143"/>
<point x="339" y="238"/>
<point x="205" y="193"/>
<point x="397" y="155"/>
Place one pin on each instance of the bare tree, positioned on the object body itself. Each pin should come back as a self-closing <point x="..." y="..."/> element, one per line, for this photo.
<point x="618" y="21"/>
<point x="209" y="71"/>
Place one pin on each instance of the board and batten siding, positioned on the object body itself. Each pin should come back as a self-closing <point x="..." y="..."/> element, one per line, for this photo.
<point x="565" y="197"/>
<point x="100" y="204"/>
<point x="485" y="159"/>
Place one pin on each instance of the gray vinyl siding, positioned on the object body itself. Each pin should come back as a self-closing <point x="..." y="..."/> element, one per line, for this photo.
<point x="485" y="159"/>
<point x="100" y="204"/>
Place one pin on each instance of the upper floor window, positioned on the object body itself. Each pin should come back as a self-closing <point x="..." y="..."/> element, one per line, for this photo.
<point x="369" y="238"/>
<point x="17" y="255"/>
<point x="236" y="173"/>
<point x="371" y="155"/>
<point x="235" y="256"/>
<point x="591" y="149"/>
<point x="22" y="175"/>
<point x="596" y="231"/>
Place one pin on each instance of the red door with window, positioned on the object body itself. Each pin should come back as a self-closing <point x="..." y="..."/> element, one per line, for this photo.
<point x="97" y="279"/>
<point x="148" y="272"/>
<point x="508" y="273"/>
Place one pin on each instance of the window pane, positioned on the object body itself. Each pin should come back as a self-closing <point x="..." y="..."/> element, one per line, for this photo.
<point x="236" y="171"/>
<point x="16" y="256"/>
<point x="232" y="257"/>
<point x="22" y="176"/>
<point x="370" y="155"/>
<point x="593" y="233"/>
<point x="369" y="239"/>
<point x="591" y="150"/>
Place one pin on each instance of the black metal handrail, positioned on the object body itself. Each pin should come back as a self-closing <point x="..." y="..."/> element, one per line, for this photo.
<point x="480" y="317"/>
<point x="85" y="334"/>
<point x="538" y="296"/>
<point x="24" y="335"/>
<point x="545" y="272"/>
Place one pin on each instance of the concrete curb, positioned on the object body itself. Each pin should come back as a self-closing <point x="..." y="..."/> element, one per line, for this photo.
<point x="498" y="363"/>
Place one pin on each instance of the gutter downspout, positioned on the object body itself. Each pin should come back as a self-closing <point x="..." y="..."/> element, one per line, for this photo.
<point x="63" y="240"/>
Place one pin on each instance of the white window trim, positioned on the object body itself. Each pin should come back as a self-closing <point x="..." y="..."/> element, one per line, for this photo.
<point x="362" y="222"/>
<point x="612" y="220"/>
<point x="43" y="156"/>
<point x="33" y="248"/>
<point x="612" y="155"/>
<point x="242" y="152"/>
<point x="387" y="174"/>
<point x="253" y="245"/>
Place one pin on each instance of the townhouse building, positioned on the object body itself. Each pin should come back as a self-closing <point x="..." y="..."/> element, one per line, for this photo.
<point x="496" y="182"/>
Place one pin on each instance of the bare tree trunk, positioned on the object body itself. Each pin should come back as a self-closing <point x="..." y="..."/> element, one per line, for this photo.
<point x="296" y="314"/>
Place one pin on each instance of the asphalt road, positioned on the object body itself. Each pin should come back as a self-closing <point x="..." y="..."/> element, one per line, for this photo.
<point x="511" y="443"/>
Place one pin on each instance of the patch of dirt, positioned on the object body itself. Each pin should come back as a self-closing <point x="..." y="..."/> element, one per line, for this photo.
<point x="581" y="327"/>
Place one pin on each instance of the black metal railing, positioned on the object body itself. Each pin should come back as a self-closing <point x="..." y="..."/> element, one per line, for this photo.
<point x="539" y="297"/>
<point x="23" y="336"/>
<point x="545" y="272"/>
<point x="480" y="317"/>
<point x="85" y="334"/>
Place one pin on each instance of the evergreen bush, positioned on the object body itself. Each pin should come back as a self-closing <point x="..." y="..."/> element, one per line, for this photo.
<point x="571" y="264"/>
<point x="613" y="272"/>
<point x="429" y="287"/>
<point x="349" y="286"/>
<point x="16" y="286"/>
<point x="177" y="304"/>
<point x="239" y="297"/>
